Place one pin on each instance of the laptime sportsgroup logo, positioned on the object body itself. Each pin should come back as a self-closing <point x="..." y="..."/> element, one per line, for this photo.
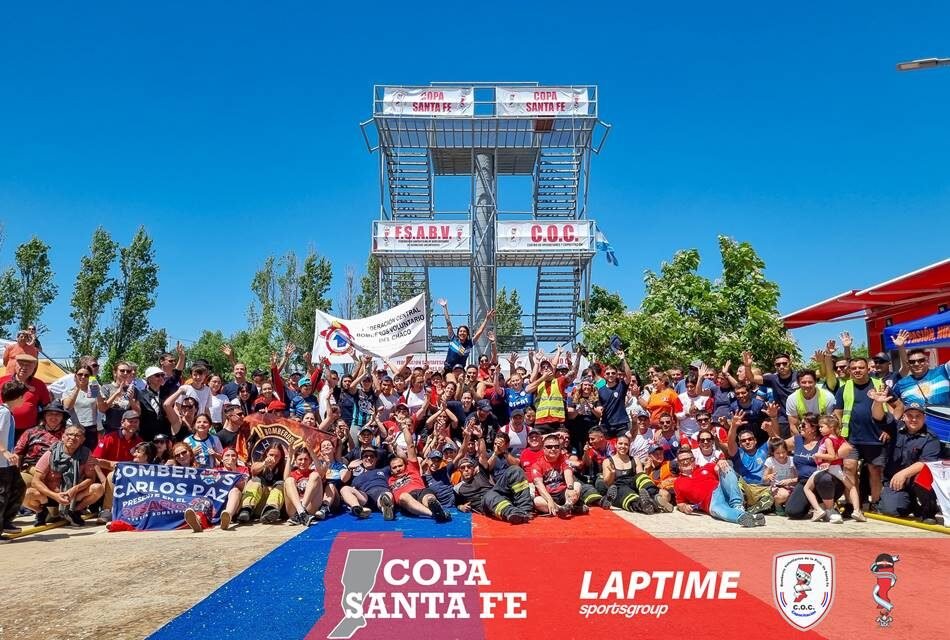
<point x="803" y="586"/>
<point x="401" y="588"/>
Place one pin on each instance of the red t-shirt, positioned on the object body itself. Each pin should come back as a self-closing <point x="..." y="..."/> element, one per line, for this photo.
<point x="697" y="488"/>
<point x="529" y="458"/>
<point x="27" y="414"/>
<point x="54" y="480"/>
<point x="833" y="441"/>
<point x="15" y="349"/>
<point x="114" y="448"/>
<point x="409" y="480"/>
<point x="551" y="473"/>
<point x="300" y="477"/>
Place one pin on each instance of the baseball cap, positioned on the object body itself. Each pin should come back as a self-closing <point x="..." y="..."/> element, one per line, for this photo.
<point x="534" y="430"/>
<point x="483" y="405"/>
<point x="304" y="381"/>
<point x="25" y="357"/>
<point x="130" y="415"/>
<point x="367" y="428"/>
<point x="366" y="450"/>
<point x="450" y="445"/>
<point x="881" y="358"/>
<point x="914" y="406"/>
<point x="276" y="405"/>
<point x="258" y="373"/>
<point x="295" y="373"/>
<point x="516" y="412"/>
<point x="435" y="454"/>
<point x="161" y="437"/>
<point x="151" y="371"/>
<point x="468" y="460"/>
<point x="401" y="406"/>
<point x="654" y="447"/>
<point x="458" y="366"/>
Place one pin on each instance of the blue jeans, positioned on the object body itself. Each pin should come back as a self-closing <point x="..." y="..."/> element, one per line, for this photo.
<point x="727" y="499"/>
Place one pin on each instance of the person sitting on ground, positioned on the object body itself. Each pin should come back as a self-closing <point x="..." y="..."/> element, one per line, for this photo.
<point x="780" y="473"/>
<point x="407" y="487"/>
<point x="628" y="488"/>
<point x="748" y="458"/>
<point x="163" y="448"/>
<point x="231" y="462"/>
<point x="263" y="495"/>
<point x="303" y="489"/>
<point x="113" y="448"/>
<point x="713" y="489"/>
<point x="708" y="449"/>
<point x="436" y="472"/>
<point x="332" y="468"/>
<point x="65" y="476"/>
<point x="906" y="454"/>
<point x="557" y="490"/>
<point x="234" y="433"/>
<point x="508" y="499"/>
<point x="369" y="488"/>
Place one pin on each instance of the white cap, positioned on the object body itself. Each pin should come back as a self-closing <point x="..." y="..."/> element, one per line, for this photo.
<point x="151" y="371"/>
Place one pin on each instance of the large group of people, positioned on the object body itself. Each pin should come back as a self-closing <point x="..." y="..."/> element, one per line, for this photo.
<point x="486" y="434"/>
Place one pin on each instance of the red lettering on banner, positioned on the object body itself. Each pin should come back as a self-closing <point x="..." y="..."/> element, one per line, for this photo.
<point x="432" y="107"/>
<point x="545" y="107"/>
<point x="445" y="232"/>
<point x="552" y="233"/>
<point x="545" y="95"/>
<point x="536" y="233"/>
<point x="568" y="233"/>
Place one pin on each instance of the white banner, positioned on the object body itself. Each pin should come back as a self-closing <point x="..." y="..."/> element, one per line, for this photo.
<point x="452" y="102"/>
<point x="534" y="236"/>
<point x="537" y="101"/>
<point x="402" y="237"/>
<point x="941" y="485"/>
<point x="397" y="331"/>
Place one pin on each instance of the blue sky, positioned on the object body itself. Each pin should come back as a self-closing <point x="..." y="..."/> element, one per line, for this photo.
<point x="231" y="131"/>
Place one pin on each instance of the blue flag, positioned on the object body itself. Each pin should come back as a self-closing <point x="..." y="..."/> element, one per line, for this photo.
<point x="603" y="244"/>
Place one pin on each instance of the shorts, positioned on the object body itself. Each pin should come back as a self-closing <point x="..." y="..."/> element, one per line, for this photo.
<point x="559" y="497"/>
<point x="419" y="494"/>
<point x="834" y="471"/>
<point x="373" y="496"/>
<point x="870" y="453"/>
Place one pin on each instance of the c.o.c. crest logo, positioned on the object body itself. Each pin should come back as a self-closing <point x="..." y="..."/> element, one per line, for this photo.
<point x="803" y="586"/>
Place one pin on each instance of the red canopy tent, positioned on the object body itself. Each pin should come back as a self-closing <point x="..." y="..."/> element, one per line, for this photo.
<point x="907" y="297"/>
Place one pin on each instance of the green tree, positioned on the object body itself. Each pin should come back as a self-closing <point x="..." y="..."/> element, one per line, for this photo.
<point x="288" y="296"/>
<point x="313" y="286"/>
<point x="27" y="287"/>
<point x="93" y="292"/>
<point x="367" y="301"/>
<point x="135" y="293"/>
<point x="603" y="302"/>
<point x="685" y="316"/>
<point x="145" y="351"/>
<point x="509" y="329"/>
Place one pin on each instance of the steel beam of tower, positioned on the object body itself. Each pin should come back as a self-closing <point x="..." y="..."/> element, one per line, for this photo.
<point x="484" y="273"/>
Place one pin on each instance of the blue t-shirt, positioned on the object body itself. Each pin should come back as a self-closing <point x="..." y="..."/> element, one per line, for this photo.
<point x="804" y="459"/>
<point x="751" y="466"/>
<point x="441" y="485"/>
<point x="370" y="479"/>
<point x="458" y="352"/>
<point x="614" y="403"/>
<point x="300" y="405"/>
<point x="518" y="399"/>
<point x="932" y="388"/>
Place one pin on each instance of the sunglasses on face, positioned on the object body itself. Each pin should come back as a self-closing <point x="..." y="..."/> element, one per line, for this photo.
<point x="705" y="440"/>
<point x="782" y="364"/>
<point x="552" y="446"/>
<point x="746" y="439"/>
<point x="917" y="361"/>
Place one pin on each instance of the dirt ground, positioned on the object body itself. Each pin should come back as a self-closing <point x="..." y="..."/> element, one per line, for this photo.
<point x="88" y="583"/>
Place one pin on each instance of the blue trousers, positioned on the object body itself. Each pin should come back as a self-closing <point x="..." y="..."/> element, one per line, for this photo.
<point x="727" y="499"/>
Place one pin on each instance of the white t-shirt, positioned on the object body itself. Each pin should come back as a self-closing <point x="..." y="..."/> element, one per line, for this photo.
<point x="386" y="404"/>
<point x="701" y="459"/>
<point x="6" y="434"/>
<point x="202" y="395"/>
<point x="517" y="440"/>
<point x="782" y="471"/>
<point x="640" y="445"/>
<point x="216" y="407"/>
<point x="811" y="406"/>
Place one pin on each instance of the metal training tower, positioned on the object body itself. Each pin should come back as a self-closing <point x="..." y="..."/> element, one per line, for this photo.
<point x="483" y="131"/>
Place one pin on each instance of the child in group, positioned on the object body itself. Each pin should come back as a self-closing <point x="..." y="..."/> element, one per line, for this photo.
<point x="830" y="455"/>
<point x="780" y="474"/>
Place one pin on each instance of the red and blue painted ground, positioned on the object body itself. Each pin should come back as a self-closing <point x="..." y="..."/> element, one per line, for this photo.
<point x="567" y="578"/>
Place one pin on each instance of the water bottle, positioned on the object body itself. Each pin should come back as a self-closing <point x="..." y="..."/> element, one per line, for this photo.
<point x="93" y="387"/>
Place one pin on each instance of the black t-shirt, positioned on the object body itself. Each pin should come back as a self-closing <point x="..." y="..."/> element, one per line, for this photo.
<point x="152" y="420"/>
<point x="781" y="390"/>
<point x="170" y="385"/>
<point x="227" y="438"/>
<point x="231" y="390"/>
<point x="862" y="427"/>
<point x="473" y="492"/>
<point x="614" y="403"/>
<point x="489" y="425"/>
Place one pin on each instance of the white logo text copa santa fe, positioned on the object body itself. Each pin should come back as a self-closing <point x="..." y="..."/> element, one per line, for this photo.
<point x="646" y="592"/>
<point x="448" y="604"/>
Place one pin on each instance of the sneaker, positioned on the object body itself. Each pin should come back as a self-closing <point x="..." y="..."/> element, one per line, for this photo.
<point x="11" y="528"/>
<point x="360" y="512"/>
<point x="848" y="510"/>
<point x="293" y="520"/>
<point x="608" y="500"/>
<point x="581" y="509"/>
<point x="835" y="517"/>
<point x="747" y="520"/>
<point x="24" y="512"/>
<point x="225" y="520"/>
<point x="104" y="517"/>
<point x="322" y="514"/>
<point x="759" y="519"/>
<point x="665" y="504"/>
<point x="646" y="503"/>
<point x="244" y="515"/>
<point x="438" y="513"/>
<point x="41" y="516"/>
<point x="191" y="517"/>
<point x="386" y="506"/>
<point x="518" y="518"/>
<point x="858" y="516"/>
<point x="271" y="515"/>
<point x="929" y="521"/>
<point x="73" y="519"/>
<point x="820" y="515"/>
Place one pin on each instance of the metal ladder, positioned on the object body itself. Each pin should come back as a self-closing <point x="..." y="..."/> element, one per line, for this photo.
<point x="398" y="284"/>
<point x="555" y="303"/>
<point x="409" y="174"/>
<point x="556" y="179"/>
